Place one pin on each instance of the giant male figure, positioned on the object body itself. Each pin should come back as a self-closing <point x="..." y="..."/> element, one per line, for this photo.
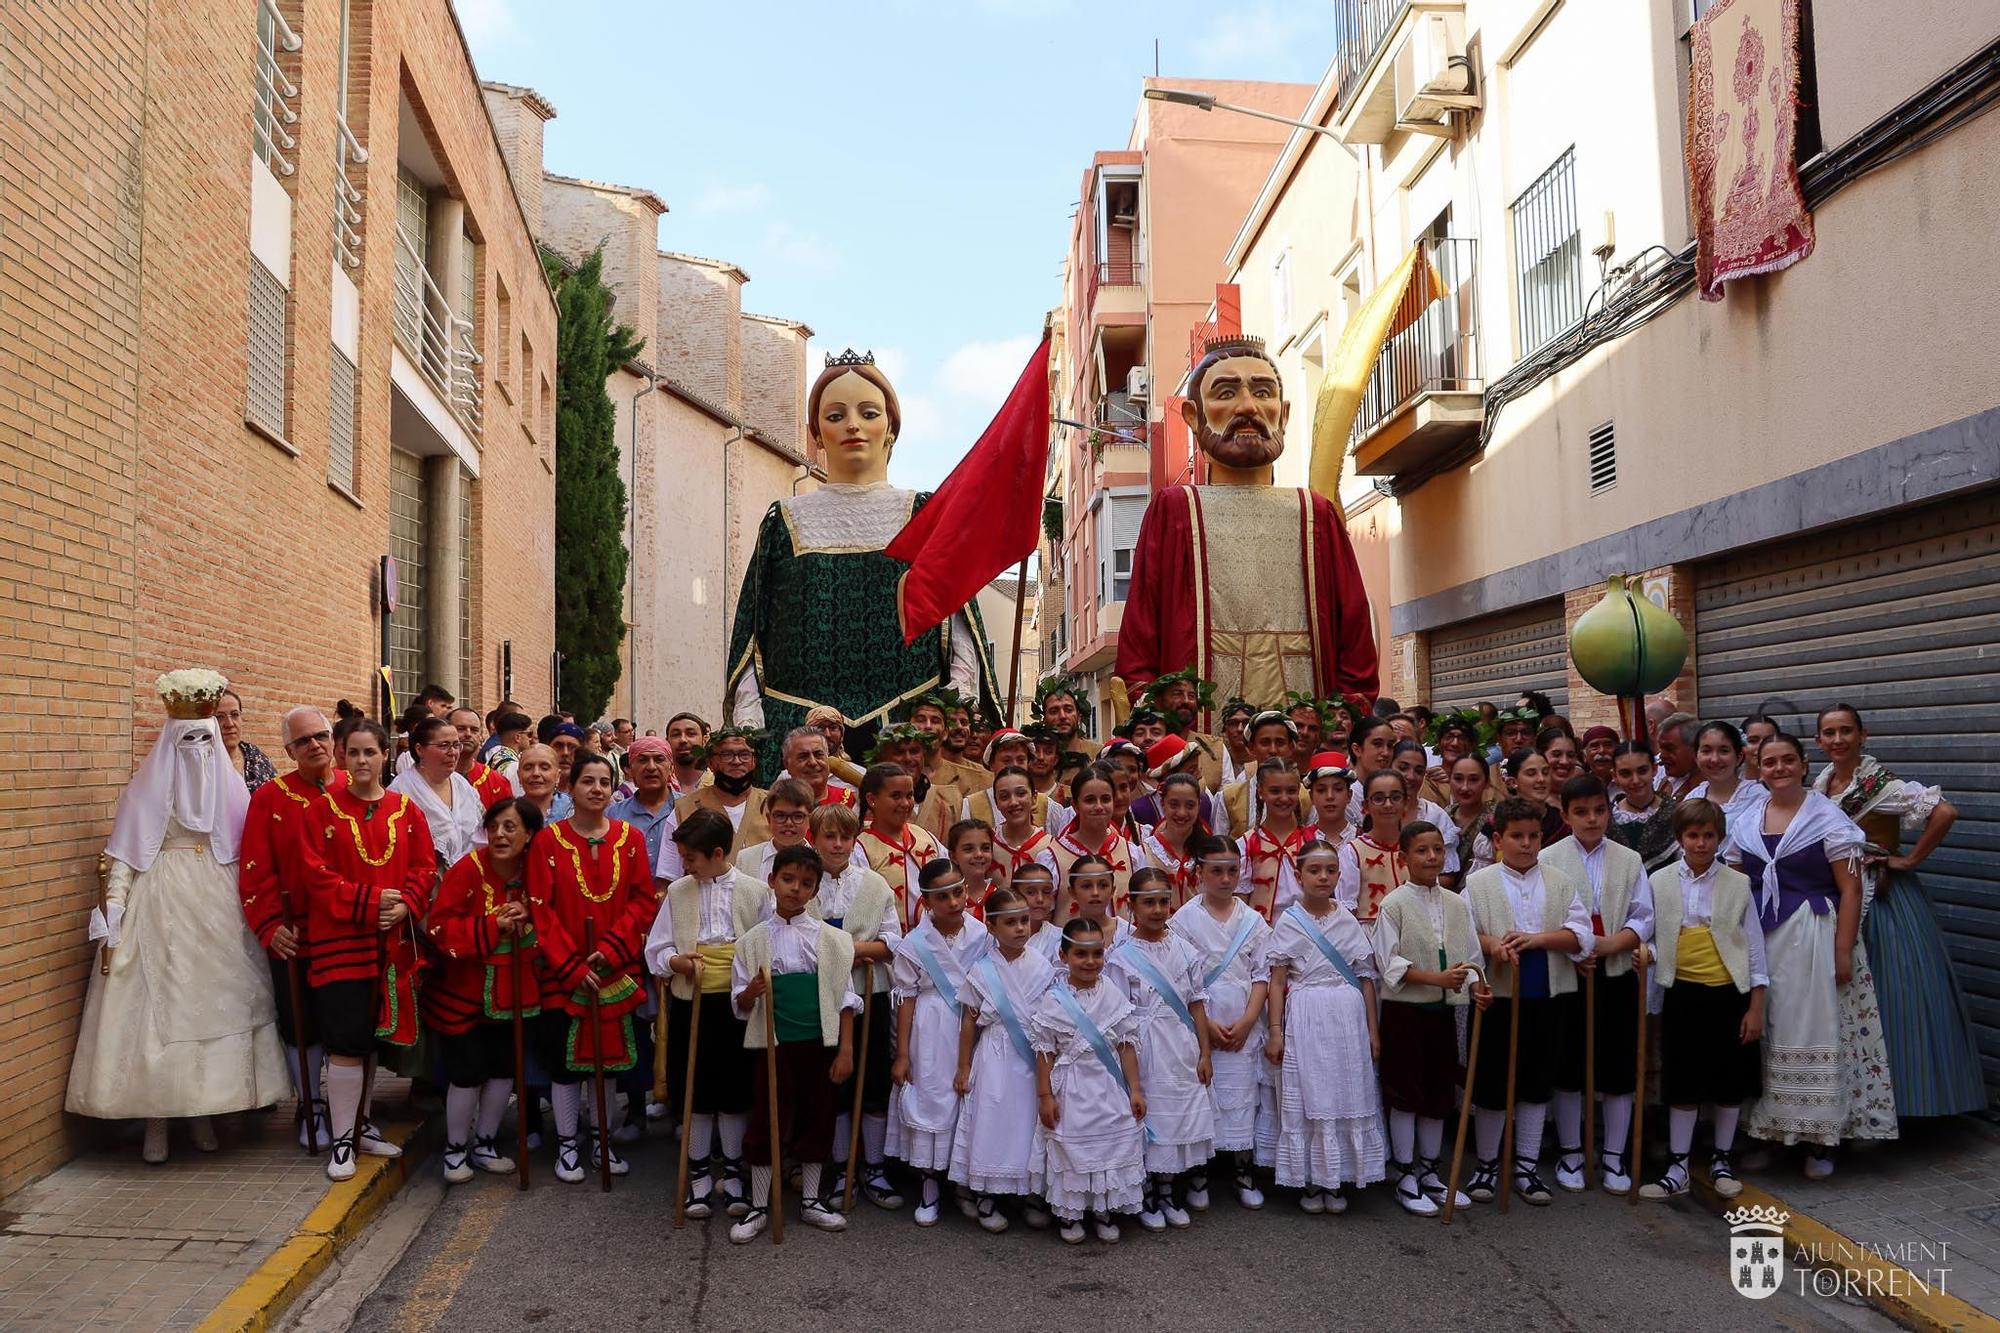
<point x="1255" y="586"/>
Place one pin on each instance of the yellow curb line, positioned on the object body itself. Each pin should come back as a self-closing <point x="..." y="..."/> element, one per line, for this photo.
<point x="1910" y="1303"/>
<point x="348" y="1206"/>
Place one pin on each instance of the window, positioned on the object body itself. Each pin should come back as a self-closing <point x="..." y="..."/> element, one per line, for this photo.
<point x="1548" y="256"/>
<point x="504" y="309"/>
<point x="264" y="404"/>
<point x="527" y="384"/>
<point x="547" y="417"/>
<point x="1281" y="292"/>
<point x="1118" y="517"/>
<point x="342" y="385"/>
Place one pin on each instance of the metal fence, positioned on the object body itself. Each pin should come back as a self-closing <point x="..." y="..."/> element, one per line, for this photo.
<point x="1437" y="349"/>
<point x="1360" y="27"/>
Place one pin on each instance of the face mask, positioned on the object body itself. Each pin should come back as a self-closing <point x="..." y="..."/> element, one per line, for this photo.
<point x="734" y="786"/>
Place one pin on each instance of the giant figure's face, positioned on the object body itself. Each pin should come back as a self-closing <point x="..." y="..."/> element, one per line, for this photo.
<point x="852" y="427"/>
<point x="1240" y="418"/>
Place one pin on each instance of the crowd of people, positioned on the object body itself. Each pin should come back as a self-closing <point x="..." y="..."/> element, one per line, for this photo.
<point x="1032" y="974"/>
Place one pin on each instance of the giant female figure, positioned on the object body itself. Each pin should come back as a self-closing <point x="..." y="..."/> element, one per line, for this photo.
<point x="817" y="622"/>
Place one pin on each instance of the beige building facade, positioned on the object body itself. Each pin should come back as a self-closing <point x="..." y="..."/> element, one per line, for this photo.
<point x="1804" y="472"/>
<point x="269" y="312"/>
<point x="711" y="422"/>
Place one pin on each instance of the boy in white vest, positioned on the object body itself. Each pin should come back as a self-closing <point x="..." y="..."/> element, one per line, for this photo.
<point x="1709" y="982"/>
<point x="800" y="967"/>
<point x="1532" y="930"/>
<point x="860" y="902"/>
<point x="1612" y="879"/>
<point x="693" y="942"/>
<point x="786" y="807"/>
<point x="1427" y="950"/>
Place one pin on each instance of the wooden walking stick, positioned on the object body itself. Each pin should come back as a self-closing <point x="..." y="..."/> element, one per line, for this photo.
<point x="104" y="908"/>
<point x="1589" y="1069"/>
<point x="771" y="1081"/>
<point x="296" y="991"/>
<point x="1513" y="1065"/>
<point x="687" y="1096"/>
<point x="597" y="1062"/>
<point x="1464" y="1115"/>
<point x="521" y="1044"/>
<point x="660" y="1043"/>
<point x="1638" y="1082"/>
<point x="860" y="1077"/>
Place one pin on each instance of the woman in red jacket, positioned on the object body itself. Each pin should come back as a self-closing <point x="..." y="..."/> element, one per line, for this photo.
<point x="589" y="870"/>
<point x="478" y="923"/>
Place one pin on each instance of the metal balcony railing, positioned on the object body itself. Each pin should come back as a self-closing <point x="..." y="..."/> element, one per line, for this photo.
<point x="1360" y="27"/>
<point x="271" y="105"/>
<point x="347" y="196"/>
<point x="1437" y="350"/>
<point x="432" y="333"/>
<point x="1121" y="273"/>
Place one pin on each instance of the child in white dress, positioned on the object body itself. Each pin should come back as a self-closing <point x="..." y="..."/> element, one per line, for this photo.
<point x="928" y="983"/>
<point x="1090" y="1148"/>
<point x="995" y="1139"/>
<point x="1162" y="976"/>
<point x="1323" y="1037"/>
<point x="1229" y="939"/>
<point x="1093" y="887"/>
<point x="1037" y="885"/>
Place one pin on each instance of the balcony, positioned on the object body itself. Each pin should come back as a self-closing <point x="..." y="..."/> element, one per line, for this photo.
<point x="272" y="112"/>
<point x="1118" y="292"/>
<point x="438" y="342"/>
<point x="1425" y="396"/>
<point x="347" y="197"/>
<point x="1395" y="65"/>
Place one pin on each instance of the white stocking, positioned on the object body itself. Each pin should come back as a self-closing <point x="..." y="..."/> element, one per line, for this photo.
<point x="460" y="1106"/>
<point x="1402" y="1134"/>
<point x="1569" y="1120"/>
<point x="1618" y="1124"/>
<point x="1725" y="1127"/>
<point x="343" y="1095"/>
<point x="567" y="1100"/>
<point x="1430" y="1138"/>
<point x="1529" y="1118"/>
<point x="874" y="1137"/>
<point x="1488" y="1128"/>
<point x="492" y="1105"/>
<point x="734" y="1127"/>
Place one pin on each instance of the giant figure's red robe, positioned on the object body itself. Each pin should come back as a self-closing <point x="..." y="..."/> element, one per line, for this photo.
<point x="1257" y="588"/>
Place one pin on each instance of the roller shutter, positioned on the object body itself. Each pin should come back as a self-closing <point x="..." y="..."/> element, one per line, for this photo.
<point x="1499" y="657"/>
<point x="1899" y="617"/>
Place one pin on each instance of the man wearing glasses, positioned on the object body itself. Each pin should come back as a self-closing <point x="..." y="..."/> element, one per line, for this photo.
<point x="451" y="807"/>
<point x="731" y="788"/>
<point x="272" y="882"/>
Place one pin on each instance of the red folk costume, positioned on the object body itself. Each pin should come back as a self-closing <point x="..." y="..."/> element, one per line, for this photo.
<point x="1256" y="588"/>
<point x="1069" y="849"/>
<point x="491" y="785"/>
<point x="275" y="877"/>
<point x="608" y="880"/>
<point x="1266" y="859"/>
<point x="370" y="846"/>
<point x="1378" y="871"/>
<point x="475" y="982"/>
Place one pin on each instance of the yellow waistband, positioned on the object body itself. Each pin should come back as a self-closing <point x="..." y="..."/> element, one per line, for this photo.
<point x="1696" y="960"/>
<point x="715" y="961"/>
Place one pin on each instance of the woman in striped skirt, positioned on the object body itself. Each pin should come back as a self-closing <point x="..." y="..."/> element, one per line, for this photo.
<point x="1933" y="1057"/>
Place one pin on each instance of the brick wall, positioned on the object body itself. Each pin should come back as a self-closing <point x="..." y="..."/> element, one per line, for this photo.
<point x="518" y="115"/>
<point x="1406" y="669"/>
<point x="69" y="283"/>
<point x="1588" y="708"/>
<point x="145" y="526"/>
<point x="699" y="339"/>
<point x="578" y="217"/>
<point x="774" y="378"/>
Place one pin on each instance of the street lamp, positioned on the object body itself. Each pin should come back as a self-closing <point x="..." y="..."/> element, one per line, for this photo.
<point x="1118" y="435"/>
<point x="1207" y="102"/>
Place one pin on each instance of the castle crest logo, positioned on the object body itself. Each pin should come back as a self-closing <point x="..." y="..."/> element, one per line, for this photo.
<point x="1756" y="1249"/>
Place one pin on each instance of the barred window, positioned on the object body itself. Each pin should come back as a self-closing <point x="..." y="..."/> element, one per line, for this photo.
<point x="1548" y="255"/>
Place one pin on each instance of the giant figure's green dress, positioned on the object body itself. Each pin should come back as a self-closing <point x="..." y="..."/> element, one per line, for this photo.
<point x="816" y="621"/>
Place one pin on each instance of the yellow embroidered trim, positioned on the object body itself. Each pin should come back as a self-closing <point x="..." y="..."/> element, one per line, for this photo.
<point x="1322" y="672"/>
<point x="354" y="831"/>
<point x="576" y="862"/>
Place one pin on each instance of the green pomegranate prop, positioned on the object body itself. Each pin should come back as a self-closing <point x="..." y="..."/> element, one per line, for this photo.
<point x="1626" y="646"/>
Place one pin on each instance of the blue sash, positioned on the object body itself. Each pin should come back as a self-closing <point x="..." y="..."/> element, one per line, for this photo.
<point x="1229" y="954"/>
<point x="1086" y="1027"/>
<point x="1323" y="944"/>
<point x="1009" y="1017"/>
<point x="1134" y="958"/>
<point x="928" y="960"/>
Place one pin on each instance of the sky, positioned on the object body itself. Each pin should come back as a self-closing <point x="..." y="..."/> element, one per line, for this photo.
<point x="897" y="174"/>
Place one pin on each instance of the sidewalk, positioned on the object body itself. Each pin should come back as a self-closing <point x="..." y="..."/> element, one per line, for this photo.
<point x="107" y="1241"/>
<point x="1929" y="1201"/>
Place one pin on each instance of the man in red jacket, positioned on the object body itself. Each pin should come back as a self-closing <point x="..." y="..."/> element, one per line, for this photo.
<point x="1252" y="585"/>
<point x="273" y="881"/>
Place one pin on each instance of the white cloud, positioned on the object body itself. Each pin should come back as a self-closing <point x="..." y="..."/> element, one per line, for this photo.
<point x="985" y="371"/>
<point x="799" y="249"/>
<point x="487" y="23"/>
<point x="720" y="198"/>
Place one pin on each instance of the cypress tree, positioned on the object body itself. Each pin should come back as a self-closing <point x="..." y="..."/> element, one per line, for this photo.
<point x="591" y="559"/>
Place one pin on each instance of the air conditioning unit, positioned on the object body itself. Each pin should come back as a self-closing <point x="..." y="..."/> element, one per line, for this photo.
<point x="1434" y="76"/>
<point x="1136" y="384"/>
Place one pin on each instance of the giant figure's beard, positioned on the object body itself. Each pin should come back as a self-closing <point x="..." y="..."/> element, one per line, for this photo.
<point x="1248" y="443"/>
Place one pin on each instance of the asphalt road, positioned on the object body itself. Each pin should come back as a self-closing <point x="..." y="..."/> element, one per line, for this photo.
<point x="566" y="1257"/>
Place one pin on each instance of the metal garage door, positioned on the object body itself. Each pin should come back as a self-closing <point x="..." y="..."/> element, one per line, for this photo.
<point x="1901" y="618"/>
<point x="1497" y="657"/>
